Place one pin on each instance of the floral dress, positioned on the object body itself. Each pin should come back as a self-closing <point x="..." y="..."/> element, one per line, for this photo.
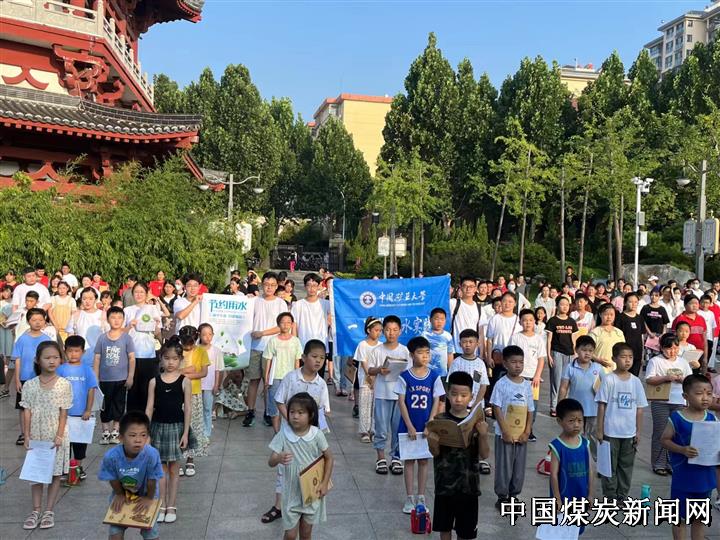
<point x="45" y="405"/>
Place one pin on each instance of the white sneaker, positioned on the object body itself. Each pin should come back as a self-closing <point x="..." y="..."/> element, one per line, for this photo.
<point x="421" y="500"/>
<point x="161" y="516"/>
<point x="716" y="504"/>
<point x="105" y="439"/>
<point x="114" y="437"/>
<point x="409" y="505"/>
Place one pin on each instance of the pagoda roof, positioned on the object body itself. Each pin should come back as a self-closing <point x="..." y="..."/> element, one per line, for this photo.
<point x="168" y="10"/>
<point x="44" y="111"/>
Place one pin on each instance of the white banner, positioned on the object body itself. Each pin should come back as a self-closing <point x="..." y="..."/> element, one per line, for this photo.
<point x="231" y="317"/>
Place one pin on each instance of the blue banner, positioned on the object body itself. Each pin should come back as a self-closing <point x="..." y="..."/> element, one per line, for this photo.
<point x="410" y="299"/>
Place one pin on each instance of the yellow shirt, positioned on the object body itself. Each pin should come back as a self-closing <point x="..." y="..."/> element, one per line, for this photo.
<point x="196" y="358"/>
<point x="604" y="342"/>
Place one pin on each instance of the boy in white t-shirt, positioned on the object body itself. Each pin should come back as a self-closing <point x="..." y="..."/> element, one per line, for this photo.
<point x="534" y="348"/>
<point x="267" y="309"/>
<point x="387" y="412"/>
<point x="465" y="313"/>
<point x="621" y="399"/>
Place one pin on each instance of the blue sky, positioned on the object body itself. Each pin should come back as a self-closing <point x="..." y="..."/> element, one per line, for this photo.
<point x="310" y="50"/>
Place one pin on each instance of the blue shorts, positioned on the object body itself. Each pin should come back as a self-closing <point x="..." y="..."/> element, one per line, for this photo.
<point x="147" y="534"/>
<point x="682" y="496"/>
<point x="272" y="409"/>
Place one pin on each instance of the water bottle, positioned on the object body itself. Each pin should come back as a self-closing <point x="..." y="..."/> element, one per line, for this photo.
<point x="421" y="512"/>
<point x="645" y="493"/>
<point x="73" y="478"/>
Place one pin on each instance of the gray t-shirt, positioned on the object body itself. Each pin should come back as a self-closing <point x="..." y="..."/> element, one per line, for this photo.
<point x="114" y="361"/>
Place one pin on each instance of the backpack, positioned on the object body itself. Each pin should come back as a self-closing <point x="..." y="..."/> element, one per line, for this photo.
<point x="455" y="312"/>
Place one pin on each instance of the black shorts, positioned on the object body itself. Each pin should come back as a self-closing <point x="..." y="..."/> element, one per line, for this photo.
<point x="114" y="401"/>
<point x="456" y="512"/>
<point x="18" y="398"/>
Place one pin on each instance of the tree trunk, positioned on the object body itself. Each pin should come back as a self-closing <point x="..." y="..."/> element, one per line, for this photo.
<point x="583" y="223"/>
<point x="618" y="245"/>
<point x="532" y="232"/>
<point x="584" y="220"/>
<point x="412" y="253"/>
<point x="619" y="249"/>
<point x="522" y="234"/>
<point x="562" y="224"/>
<point x="497" y="236"/>
<point x="393" y="261"/>
<point x="611" y="267"/>
<point x="422" y="248"/>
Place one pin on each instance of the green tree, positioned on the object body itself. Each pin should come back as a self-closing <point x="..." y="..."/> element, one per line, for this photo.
<point x="607" y="95"/>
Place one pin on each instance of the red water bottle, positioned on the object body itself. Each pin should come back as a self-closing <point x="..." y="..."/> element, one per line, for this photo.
<point x="73" y="478"/>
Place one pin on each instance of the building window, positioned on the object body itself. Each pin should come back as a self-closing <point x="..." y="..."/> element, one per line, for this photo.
<point x="689" y="38"/>
<point x="669" y="32"/>
<point x="690" y="24"/>
<point x="678" y="40"/>
<point x="679" y="27"/>
<point x="658" y="63"/>
<point x="668" y="46"/>
<point x="668" y="61"/>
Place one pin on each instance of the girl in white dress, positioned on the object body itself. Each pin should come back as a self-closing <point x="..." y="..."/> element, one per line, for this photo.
<point x="294" y="447"/>
<point x="46" y="400"/>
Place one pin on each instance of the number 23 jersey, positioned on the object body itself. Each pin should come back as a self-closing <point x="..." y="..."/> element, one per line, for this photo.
<point x="419" y="393"/>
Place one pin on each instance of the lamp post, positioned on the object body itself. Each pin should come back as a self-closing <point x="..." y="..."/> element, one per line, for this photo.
<point x="643" y="186"/>
<point x="701" y="213"/>
<point x="342" y="248"/>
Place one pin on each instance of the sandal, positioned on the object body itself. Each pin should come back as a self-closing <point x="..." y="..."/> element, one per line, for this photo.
<point x="181" y="471"/>
<point x="189" y="469"/>
<point x="381" y="466"/>
<point x="31" y="522"/>
<point x="396" y="467"/>
<point x="20" y="440"/>
<point x="660" y="472"/>
<point x="171" y="518"/>
<point x="161" y="515"/>
<point x="365" y="438"/>
<point x="271" y="515"/>
<point x="484" y="467"/>
<point x="48" y="520"/>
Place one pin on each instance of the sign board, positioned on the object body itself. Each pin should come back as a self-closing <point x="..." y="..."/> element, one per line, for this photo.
<point x="384" y="246"/>
<point x="710" y="235"/>
<point x="231" y="317"/>
<point x="689" y="236"/>
<point x="643" y="242"/>
<point x="243" y="234"/>
<point x="400" y="246"/>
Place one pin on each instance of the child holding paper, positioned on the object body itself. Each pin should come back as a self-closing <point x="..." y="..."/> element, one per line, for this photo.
<point x="689" y="481"/>
<point x="513" y="406"/>
<point x="667" y="369"/>
<point x="297" y="445"/>
<point x="419" y="390"/>
<point x="570" y="462"/>
<point x="387" y="413"/>
<point x="83" y="381"/>
<point x="580" y="380"/>
<point x="621" y="399"/>
<point x="46" y="400"/>
<point x="457" y="474"/>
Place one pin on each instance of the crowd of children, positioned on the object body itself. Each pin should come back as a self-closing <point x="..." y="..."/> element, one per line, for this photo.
<point x="70" y="359"/>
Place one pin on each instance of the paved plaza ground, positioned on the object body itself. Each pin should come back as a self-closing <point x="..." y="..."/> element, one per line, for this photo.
<point x="234" y="487"/>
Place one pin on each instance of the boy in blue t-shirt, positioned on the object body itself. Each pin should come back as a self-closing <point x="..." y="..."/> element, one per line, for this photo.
<point x="570" y="463"/>
<point x="419" y="389"/>
<point x="442" y="347"/>
<point x="689" y="481"/>
<point x="133" y="469"/>
<point x="581" y="378"/>
<point x="23" y="354"/>
<point x="83" y="381"/>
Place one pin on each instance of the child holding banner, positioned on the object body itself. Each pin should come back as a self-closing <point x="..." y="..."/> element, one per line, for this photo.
<point x="373" y="327"/>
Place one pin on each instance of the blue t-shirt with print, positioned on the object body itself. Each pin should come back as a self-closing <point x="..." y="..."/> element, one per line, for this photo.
<point x="82" y="379"/>
<point x="133" y="473"/>
<point x="24" y="349"/>
<point x="440" y="346"/>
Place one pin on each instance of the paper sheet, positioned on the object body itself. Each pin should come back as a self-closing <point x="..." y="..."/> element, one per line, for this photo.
<point x="557" y="532"/>
<point x="705" y="438"/>
<point x="39" y="463"/>
<point x="417" y="449"/>
<point x="396" y="367"/>
<point x="98" y="400"/>
<point x="81" y="431"/>
<point x="604" y="463"/>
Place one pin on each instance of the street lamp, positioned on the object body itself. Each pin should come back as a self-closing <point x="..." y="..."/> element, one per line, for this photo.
<point x="231" y="183"/>
<point x="643" y="186"/>
<point x="701" y="211"/>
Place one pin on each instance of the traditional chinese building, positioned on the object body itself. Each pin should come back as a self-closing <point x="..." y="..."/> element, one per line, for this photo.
<point x="73" y="94"/>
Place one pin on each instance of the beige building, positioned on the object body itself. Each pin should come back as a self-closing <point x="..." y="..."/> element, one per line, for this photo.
<point x="363" y="117"/>
<point x="577" y="77"/>
<point x="680" y="35"/>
